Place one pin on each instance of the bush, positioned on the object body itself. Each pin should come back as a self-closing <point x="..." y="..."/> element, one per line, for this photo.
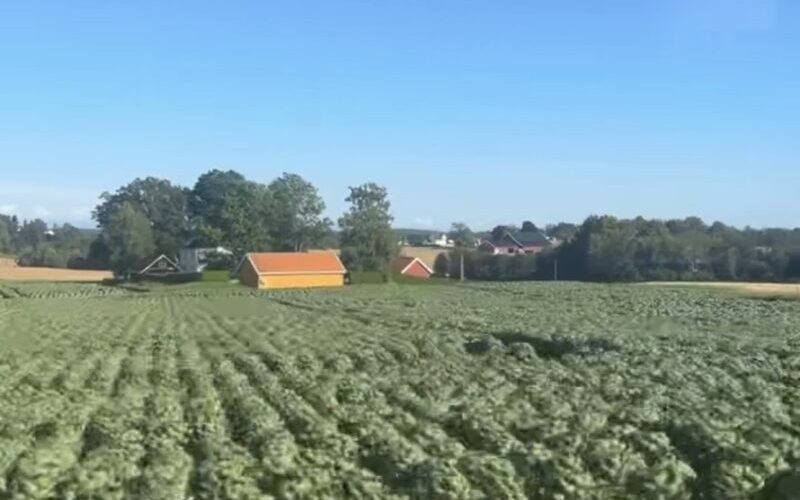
<point x="487" y="267"/>
<point x="220" y="262"/>
<point x="366" y="278"/>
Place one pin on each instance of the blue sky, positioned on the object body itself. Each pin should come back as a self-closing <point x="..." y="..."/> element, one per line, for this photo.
<point x="478" y="111"/>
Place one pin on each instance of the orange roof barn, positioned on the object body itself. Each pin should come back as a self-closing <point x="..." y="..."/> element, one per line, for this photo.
<point x="274" y="270"/>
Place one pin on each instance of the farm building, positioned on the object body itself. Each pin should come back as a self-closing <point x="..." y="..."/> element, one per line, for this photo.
<point x="412" y="267"/>
<point x="161" y="266"/>
<point x="427" y="255"/>
<point x="291" y="270"/>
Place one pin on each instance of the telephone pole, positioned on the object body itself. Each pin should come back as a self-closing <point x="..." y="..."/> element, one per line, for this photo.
<point x="555" y="269"/>
<point x="461" y="275"/>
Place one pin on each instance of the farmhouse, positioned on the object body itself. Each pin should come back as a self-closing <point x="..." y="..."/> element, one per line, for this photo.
<point x="523" y="242"/>
<point x="291" y="270"/>
<point x="412" y="267"/>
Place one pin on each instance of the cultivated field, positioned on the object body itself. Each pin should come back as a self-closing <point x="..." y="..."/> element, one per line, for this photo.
<point x="480" y="391"/>
<point x="7" y="261"/>
<point x="15" y="273"/>
<point x="756" y="289"/>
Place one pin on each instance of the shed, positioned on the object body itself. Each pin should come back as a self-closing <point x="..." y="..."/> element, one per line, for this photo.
<point x="412" y="267"/>
<point x="275" y="270"/>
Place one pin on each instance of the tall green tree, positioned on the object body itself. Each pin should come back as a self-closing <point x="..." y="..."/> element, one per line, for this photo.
<point x="208" y="197"/>
<point x="6" y="243"/>
<point x="367" y="240"/>
<point x="31" y="235"/>
<point x="230" y="211"/>
<point x="163" y="204"/>
<point x="464" y="239"/>
<point x="245" y="216"/>
<point x="129" y="236"/>
<point x="498" y="232"/>
<point x="296" y="222"/>
<point x="462" y="235"/>
<point x="441" y="266"/>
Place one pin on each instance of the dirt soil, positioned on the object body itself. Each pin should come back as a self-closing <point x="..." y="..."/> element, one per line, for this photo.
<point x="8" y="273"/>
<point x="749" y="288"/>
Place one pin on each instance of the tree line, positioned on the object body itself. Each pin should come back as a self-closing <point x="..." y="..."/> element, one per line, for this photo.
<point x="608" y="249"/>
<point x="151" y="216"/>
<point x="34" y="243"/>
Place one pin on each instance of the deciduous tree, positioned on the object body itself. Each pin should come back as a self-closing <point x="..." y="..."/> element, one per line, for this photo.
<point x="163" y="204"/>
<point x="297" y="222"/>
<point x="368" y="242"/>
<point x="129" y="237"/>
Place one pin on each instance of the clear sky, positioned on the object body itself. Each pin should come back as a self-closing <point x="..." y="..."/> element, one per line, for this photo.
<point x="486" y="111"/>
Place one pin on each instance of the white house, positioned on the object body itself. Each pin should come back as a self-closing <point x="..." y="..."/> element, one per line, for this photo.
<point x="441" y="241"/>
<point x="195" y="260"/>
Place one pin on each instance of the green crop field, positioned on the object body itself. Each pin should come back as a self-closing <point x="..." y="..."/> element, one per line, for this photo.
<point x="397" y="391"/>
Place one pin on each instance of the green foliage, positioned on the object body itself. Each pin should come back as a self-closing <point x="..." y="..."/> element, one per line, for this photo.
<point x="563" y="231"/>
<point x="469" y="391"/>
<point x="462" y="235"/>
<point x="162" y="204"/>
<point x="487" y="267"/>
<point x="367" y="277"/>
<point x="6" y="240"/>
<point x="441" y="266"/>
<point x="297" y="223"/>
<point x="367" y="240"/>
<point x="609" y="249"/>
<point x="129" y="235"/>
<point x="228" y="210"/>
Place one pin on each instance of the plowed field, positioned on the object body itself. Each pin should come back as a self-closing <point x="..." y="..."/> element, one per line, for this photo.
<point x="491" y="391"/>
<point x="15" y="273"/>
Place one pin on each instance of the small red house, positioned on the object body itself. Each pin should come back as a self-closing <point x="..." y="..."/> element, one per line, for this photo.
<point x="412" y="267"/>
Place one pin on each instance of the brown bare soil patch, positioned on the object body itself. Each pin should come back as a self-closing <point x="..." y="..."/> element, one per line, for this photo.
<point x="49" y="274"/>
<point x="788" y="289"/>
<point x="7" y="262"/>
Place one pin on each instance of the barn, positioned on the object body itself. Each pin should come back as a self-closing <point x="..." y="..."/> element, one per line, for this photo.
<point x="275" y="270"/>
<point x="412" y="267"/>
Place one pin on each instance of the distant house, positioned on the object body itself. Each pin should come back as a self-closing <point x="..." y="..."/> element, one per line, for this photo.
<point x="195" y="260"/>
<point x="291" y="270"/>
<point x="161" y="266"/>
<point x="440" y="241"/>
<point x="523" y="242"/>
<point x="412" y="267"/>
<point x="427" y="255"/>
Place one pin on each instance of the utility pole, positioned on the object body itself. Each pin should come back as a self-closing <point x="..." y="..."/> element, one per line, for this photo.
<point x="555" y="269"/>
<point x="461" y="253"/>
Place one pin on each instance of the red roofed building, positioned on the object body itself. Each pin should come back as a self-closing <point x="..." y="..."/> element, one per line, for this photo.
<point x="412" y="267"/>
<point x="291" y="270"/>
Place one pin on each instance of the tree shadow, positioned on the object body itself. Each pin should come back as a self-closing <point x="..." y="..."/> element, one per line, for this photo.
<point x="554" y="347"/>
